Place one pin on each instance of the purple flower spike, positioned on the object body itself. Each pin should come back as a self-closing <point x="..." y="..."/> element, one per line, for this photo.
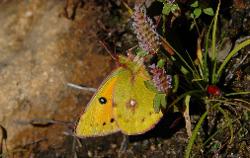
<point x="145" y="30"/>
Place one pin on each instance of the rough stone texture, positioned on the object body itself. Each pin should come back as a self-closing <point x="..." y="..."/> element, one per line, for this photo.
<point x="40" y="51"/>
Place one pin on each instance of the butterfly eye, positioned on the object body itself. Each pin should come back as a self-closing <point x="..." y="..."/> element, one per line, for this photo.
<point x="103" y="100"/>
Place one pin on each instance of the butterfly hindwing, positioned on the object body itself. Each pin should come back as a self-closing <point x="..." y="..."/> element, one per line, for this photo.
<point x="133" y="102"/>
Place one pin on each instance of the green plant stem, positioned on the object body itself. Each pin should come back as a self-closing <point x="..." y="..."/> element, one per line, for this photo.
<point x="212" y="136"/>
<point x="222" y="101"/>
<point x="218" y="131"/>
<point x="231" y="103"/>
<point x="182" y="96"/>
<point x="180" y="57"/>
<point x="196" y="130"/>
<point x="185" y="63"/>
<point x="229" y="123"/>
<point x="231" y="54"/>
<point x="195" y="72"/>
<point x="194" y="134"/>
<point x="196" y="26"/>
<point x="238" y="93"/>
<point x="214" y="52"/>
<point x="241" y="100"/>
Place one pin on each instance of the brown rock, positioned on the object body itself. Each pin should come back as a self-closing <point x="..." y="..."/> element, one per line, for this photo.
<point x="40" y="52"/>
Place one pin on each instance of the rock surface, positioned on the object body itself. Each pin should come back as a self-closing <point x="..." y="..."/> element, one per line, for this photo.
<point x="40" y="52"/>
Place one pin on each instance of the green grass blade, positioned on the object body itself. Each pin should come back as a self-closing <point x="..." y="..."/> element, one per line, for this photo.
<point x="205" y="59"/>
<point x="194" y="135"/>
<point x="214" y="51"/>
<point x="196" y="130"/>
<point x="245" y="104"/>
<point x="235" y="102"/>
<point x="185" y="63"/>
<point x="182" y="96"/>
<point x="238" y="93"/>
<point x="212" y="136"/>
<point x="218" y="131"/>
<point x="231" y="54"/>
<point x="177" y="53"/>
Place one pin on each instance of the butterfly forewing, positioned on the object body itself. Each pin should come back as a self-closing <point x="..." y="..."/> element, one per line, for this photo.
<point x="98" y="119"/>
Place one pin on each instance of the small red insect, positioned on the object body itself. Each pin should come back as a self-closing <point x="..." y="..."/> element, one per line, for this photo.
<point x="213" y="90"/>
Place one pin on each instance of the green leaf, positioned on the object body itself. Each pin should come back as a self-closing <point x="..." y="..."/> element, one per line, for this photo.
<point x="230" y="55"/>
<point x="193" y="22"/>
<point x="192" y="15"/>
<point x="174" y="7"/>
<point x="214" y="52"/>
<point x="163" y="101"/>
<point x="209" y="11"/>
<point x="160" y="101"/>
<point x="184" y="70"/>
<point x="166" y="8"/>
<point x="197" y="12"/>
<point x="173" y="58"/>
<point x="157" y="102"/>
<point x="195" y="4"/>
<point x="175" y="83"/>
<point x="150" y="85"/>
<point x="161" y="63"/>
<point x="246" y="115"/>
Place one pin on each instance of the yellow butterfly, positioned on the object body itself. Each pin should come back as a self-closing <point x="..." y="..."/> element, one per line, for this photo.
<point x="122" y="103"/>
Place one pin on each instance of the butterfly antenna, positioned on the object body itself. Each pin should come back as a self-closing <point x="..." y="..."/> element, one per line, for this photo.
<point x="167" y="46"/>
<point x="104" y="45"/>
<point x="90" y="89"/>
